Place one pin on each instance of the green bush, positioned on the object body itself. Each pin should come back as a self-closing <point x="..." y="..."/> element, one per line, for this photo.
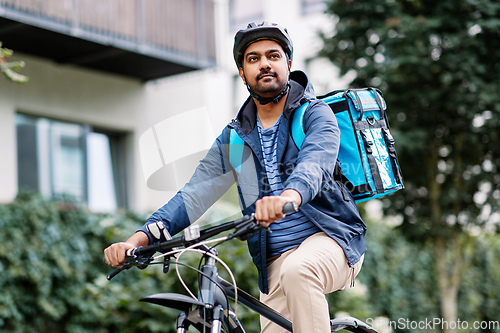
<point x="401" y="280"/>
<point x="53" y="275"/>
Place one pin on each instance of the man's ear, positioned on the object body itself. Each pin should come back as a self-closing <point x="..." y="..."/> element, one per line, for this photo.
<point x="242" y="75"/>
<point x="289" y="65"/>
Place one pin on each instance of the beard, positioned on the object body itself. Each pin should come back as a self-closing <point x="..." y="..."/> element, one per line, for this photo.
<point x="267" y="89"/>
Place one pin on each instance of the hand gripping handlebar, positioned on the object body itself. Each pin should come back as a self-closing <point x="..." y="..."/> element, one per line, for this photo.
<point x="243" y="229"/>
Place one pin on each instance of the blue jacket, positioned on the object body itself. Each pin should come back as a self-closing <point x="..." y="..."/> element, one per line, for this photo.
<point x="309" y="171"/>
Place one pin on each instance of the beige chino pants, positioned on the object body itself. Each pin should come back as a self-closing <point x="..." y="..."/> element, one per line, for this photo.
<point x="299" y="279"/>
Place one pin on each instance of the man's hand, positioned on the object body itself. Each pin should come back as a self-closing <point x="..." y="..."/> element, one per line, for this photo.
<point x="115" y="253"/>
<point x="270" y="209"/>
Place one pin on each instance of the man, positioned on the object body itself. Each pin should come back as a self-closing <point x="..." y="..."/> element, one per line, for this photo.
<point x="310" y="253"/>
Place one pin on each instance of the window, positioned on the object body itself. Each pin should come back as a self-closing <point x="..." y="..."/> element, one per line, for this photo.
<point x="244" y="12"/>
<point x="313" y="6"/>
<point x="59" y="158"/>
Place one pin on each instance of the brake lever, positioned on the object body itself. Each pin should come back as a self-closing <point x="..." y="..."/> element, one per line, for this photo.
<point x="247" y="229"/>
<point x="166" y="264"/>
<point x="118" y="270"/>
<point x="141" y="261"/>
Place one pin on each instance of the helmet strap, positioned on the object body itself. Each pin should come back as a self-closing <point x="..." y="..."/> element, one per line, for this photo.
<point x="267" y="100"/>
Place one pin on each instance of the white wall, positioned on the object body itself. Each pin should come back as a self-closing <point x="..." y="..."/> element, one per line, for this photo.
<point x="63" y="93"/>
<point x="174" y="96"/>
<point x="107" y="101"/>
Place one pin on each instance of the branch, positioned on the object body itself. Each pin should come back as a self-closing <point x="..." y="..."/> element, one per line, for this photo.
<point x="434" y="187"/>
<point x="440" y="252"/>
<point x="9" y="68"/>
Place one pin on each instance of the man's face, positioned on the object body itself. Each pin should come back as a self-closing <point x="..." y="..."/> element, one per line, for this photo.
<point x="265" y="68"/>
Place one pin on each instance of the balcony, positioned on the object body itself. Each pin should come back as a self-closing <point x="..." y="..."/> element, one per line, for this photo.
<point x="142" y="39"/>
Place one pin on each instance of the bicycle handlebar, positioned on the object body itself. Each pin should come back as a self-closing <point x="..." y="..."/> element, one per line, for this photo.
<point x="244" y="228"/>
<point x="290" y="207"/>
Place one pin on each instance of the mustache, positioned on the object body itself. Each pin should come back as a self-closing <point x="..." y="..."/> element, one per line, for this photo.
<point x="266" y="72"/>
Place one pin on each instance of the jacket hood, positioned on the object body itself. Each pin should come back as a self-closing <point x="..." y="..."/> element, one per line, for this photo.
<point x="301" y="90"/>
<point x="301" y="78"/>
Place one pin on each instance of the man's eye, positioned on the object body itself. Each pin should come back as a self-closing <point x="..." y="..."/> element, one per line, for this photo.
<point x="275" y="56"/>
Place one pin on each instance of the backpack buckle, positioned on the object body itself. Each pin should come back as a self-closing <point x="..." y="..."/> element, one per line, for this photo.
<point x="388" y="136"/>
<point x="370" y="120"/>
<point x="366" y="139"/>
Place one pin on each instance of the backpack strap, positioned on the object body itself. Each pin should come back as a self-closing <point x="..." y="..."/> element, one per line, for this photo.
<point x="236" y="145"/>
<point x="369" y="147"/>
<point x="298" y="133"/>
<point x="389" y="141"/>
<point x="298" y="136"/>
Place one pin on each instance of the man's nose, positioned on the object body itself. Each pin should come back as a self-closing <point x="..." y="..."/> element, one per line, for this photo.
<point x="264" y="63"/>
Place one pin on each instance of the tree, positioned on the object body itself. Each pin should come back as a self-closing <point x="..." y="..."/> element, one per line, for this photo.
<point x="400" y="280"/>
<point x="437" y="64"/>
<point x="9" y="68"/>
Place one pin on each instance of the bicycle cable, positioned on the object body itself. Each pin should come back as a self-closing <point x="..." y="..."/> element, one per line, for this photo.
<point x="192" y="249"/>
<point x="202" y="273"/>
<point x="210" y="249"/>
<point x="217" y="259"/>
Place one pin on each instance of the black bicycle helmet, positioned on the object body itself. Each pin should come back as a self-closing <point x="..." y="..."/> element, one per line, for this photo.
<point x="264" y="31"/>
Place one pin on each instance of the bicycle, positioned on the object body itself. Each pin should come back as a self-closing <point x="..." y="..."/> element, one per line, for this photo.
<point x="210" y="311"/>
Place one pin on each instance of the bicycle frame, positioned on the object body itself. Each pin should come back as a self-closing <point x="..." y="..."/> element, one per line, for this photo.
<point x="211" y="311"/>
<point x="194" y="312"/>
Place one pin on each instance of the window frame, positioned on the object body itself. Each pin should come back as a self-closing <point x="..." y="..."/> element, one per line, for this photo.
<point x="44" y="183"/>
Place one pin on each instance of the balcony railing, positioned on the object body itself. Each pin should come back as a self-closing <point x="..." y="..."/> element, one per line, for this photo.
<point x="177" y="31"/>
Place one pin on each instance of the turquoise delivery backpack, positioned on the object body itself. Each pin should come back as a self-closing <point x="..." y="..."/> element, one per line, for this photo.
<point x="367" y="163"/>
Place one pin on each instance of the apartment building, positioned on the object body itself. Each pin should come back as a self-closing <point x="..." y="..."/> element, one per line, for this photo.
<point x="125" y="96"/>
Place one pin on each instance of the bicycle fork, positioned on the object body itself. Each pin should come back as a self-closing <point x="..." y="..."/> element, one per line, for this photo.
<point x="213" y="298"/>
<point x="218" y="318"/>
<point x="181" y="322"/>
